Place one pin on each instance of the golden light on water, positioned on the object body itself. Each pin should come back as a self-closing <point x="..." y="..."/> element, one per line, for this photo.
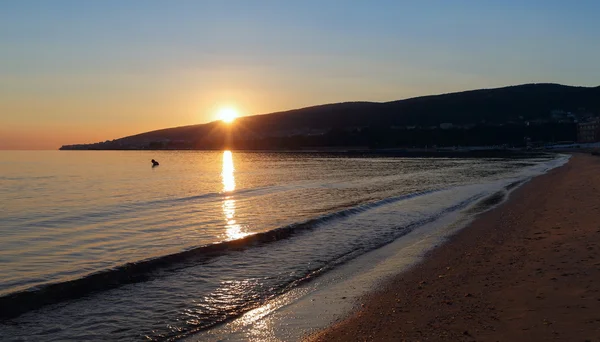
<point x="227" y="172"/>
<point x="227" y="114"/>
<point x="233" y="230"/>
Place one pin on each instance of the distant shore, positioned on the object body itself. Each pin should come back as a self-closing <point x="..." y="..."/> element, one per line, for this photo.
<point x="528" y="270"/>
<point x="395" y="152"/>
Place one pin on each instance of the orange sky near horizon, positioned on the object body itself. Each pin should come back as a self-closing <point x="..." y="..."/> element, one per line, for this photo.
<point x="64" y="110"/>
<point x="88" y="71"/>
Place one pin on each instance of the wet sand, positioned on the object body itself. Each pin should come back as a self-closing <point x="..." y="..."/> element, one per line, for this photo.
<point x="528" y="270"/>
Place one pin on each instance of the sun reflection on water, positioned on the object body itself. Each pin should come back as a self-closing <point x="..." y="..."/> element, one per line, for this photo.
<point x="233" y="230"/>
<point x="227" y="172"/>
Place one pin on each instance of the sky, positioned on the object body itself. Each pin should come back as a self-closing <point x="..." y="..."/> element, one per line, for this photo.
<point x="88" y="71"/>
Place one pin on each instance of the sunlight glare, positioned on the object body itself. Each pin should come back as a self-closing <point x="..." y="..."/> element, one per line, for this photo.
<point x="228" y="114"/>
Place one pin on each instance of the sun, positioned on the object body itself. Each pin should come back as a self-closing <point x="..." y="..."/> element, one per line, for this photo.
<point x="227" y="114"/>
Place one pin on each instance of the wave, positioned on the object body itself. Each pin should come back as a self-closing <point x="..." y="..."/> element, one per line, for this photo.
<point x="489" y="202"/>
<point x="402" y="231"/>
<point x="309" y="275"/>
<point x="29" y="178"/>
<point x="121" y="209"/>
<point x="15" y="304"/>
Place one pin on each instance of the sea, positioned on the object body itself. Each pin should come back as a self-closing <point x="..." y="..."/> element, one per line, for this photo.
<point x="102" y="246"/>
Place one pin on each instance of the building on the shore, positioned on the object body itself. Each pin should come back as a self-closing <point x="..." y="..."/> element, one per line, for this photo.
<point x="589" y="131"/>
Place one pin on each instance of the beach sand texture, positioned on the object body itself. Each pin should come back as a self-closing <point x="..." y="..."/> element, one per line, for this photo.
<point x="528" y="270"/>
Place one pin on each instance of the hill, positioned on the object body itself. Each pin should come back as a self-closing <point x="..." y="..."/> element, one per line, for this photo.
<point x="510" y="114"/>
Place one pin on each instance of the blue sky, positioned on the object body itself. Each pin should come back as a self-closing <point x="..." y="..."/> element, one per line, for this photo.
<point x="91" y="71"/>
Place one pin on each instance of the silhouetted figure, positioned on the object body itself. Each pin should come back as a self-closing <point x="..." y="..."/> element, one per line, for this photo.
<point x="154" y="163"/>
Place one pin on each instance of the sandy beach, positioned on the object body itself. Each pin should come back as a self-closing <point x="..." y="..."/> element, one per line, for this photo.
<point x="528" y="270"/>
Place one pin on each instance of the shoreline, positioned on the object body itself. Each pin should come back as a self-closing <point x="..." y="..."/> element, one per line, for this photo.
<point x="317" y="304"/>
<point x="525" y="270"/>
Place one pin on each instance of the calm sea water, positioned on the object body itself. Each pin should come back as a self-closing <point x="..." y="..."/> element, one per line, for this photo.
<point x="102" y="246"/>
